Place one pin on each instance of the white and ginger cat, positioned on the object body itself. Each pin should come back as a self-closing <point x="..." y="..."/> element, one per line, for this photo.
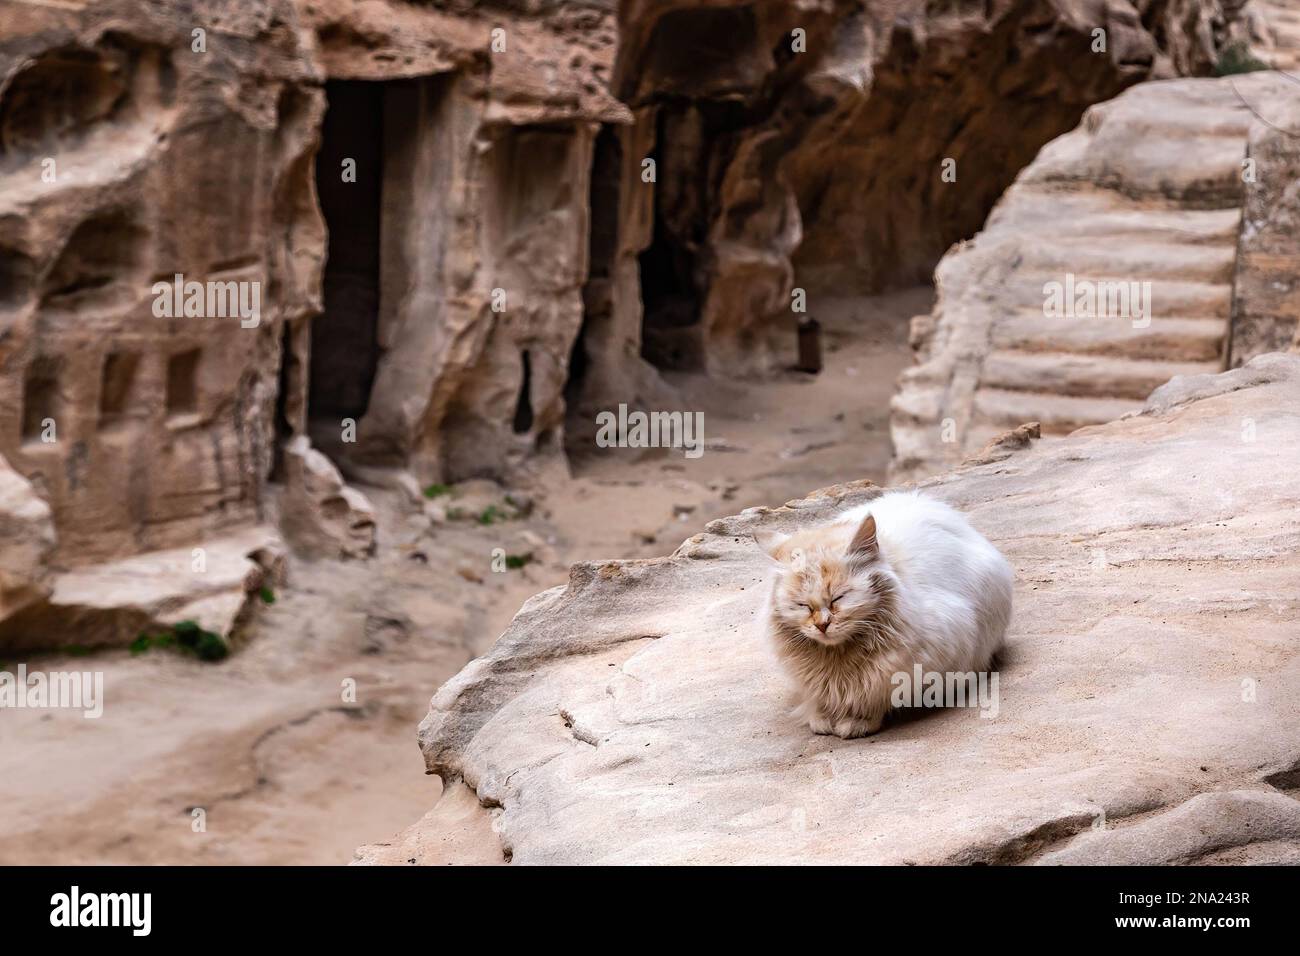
<point x="900" y="581"/>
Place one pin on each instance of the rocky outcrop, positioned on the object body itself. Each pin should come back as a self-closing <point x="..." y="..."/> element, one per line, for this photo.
<point x="218" y="584"/>
<point x="319" y="514"/>
<point x="1108" y="268"/>
<point x="27" y="530"/>
<point x="636" y="714"/>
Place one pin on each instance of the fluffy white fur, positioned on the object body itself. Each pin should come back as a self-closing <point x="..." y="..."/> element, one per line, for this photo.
<point x="900" y="581"/>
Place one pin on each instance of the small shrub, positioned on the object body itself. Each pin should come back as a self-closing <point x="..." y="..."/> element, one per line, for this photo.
<point x="187" y="637"/>
<point x="437" y="491"/>
<point x="1236" y="58"/>
<point x="490" y="515"/>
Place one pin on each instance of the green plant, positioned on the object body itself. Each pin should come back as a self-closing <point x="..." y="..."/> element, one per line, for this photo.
<point x="490" y="515"/>
<point x="516" y="561"/>
<point x="1237" y="58"/>
<point x="267" y="595"/>
<point x="437" y="491"/>
<point x="185" y="636"/>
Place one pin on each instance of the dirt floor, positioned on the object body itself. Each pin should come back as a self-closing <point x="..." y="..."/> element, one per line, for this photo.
<point x="267" y="757"/>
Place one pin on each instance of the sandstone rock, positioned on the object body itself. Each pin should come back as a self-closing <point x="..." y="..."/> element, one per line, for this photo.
<point x="808" y="182"/>
<point x="455" y="831"/>
<point x="1147" y="190"/>
<point x="319" y="514"/>
<point x="217" y="584"/>
<point x="636" y="714"/>
<point x="27" y="530"/>
<point x="479" y="188"/>
<point x="1272" y="28"/>
<point x="1266" y="287"/>
<point x="128" y="156"/>
<point x="1191" y="832"/>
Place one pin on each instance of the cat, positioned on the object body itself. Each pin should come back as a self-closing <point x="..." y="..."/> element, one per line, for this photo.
<point x="903" y="580"/>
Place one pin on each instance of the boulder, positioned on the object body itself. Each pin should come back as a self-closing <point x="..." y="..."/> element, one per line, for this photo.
<point x="27" y="530"/>
<point x="320" y="515"/>
<point x="218" y="584"/>
<point x="637" y="715"/>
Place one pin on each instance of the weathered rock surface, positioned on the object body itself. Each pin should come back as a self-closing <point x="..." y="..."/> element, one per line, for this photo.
<point x="1266" y="286"/>
<point x="1274" y="28"/>
<point x="27" y="531"/>
<point x="131" y="151"/>
<point x="636" y="715"/>
<point x="320" y="514"/>
<point x="1149" y="189"/>
<point x="217" y="584"/>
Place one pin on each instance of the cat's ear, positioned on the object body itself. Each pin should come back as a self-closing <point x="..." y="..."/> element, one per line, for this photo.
<point x="864" y="543"/>
<point x="770" y="542"/>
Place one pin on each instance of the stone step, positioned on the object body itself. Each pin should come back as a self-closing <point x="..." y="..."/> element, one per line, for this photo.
<point x="1167" y="298"/>
<point x="1058" y="414"/>
<point x="1098" y="376"/>
<point x="1109" y="255"/>
<point x="1103" y="212"/>
<point x="1168" y="339"/>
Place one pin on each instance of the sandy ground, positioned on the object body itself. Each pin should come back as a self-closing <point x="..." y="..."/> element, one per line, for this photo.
<point x="266" y="757"/>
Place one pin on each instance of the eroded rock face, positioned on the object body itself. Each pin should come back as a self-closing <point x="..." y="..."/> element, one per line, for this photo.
<point x="138" y="145"/>
<point x="131" y="151"/>
<point x="637" y="716"/>
<point x="27" y="530"/>
<point x="217" y="584"/>
<point x="1109" y="267"/>
<point x="486" y="119"/>
<point x="807" y="146"/>
<point x="1266" y="289"/>
<point x="320" y="515"/>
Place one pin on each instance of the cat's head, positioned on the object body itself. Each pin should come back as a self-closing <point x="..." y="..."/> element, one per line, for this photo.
<point x="825" y="591"/>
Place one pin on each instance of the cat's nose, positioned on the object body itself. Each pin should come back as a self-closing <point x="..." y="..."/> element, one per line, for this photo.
<point x="823" y="622"/>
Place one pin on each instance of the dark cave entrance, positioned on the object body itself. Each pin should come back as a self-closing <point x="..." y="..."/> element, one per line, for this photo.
<point x="691" y="136"/>
<point x="345" y="346"/>
<point x="602" y="258"/>
<point x="671" y="336"/>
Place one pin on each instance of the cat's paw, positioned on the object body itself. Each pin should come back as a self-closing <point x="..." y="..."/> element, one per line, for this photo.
<point x="821" y="725"/>
<point x="848" y="729"/>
